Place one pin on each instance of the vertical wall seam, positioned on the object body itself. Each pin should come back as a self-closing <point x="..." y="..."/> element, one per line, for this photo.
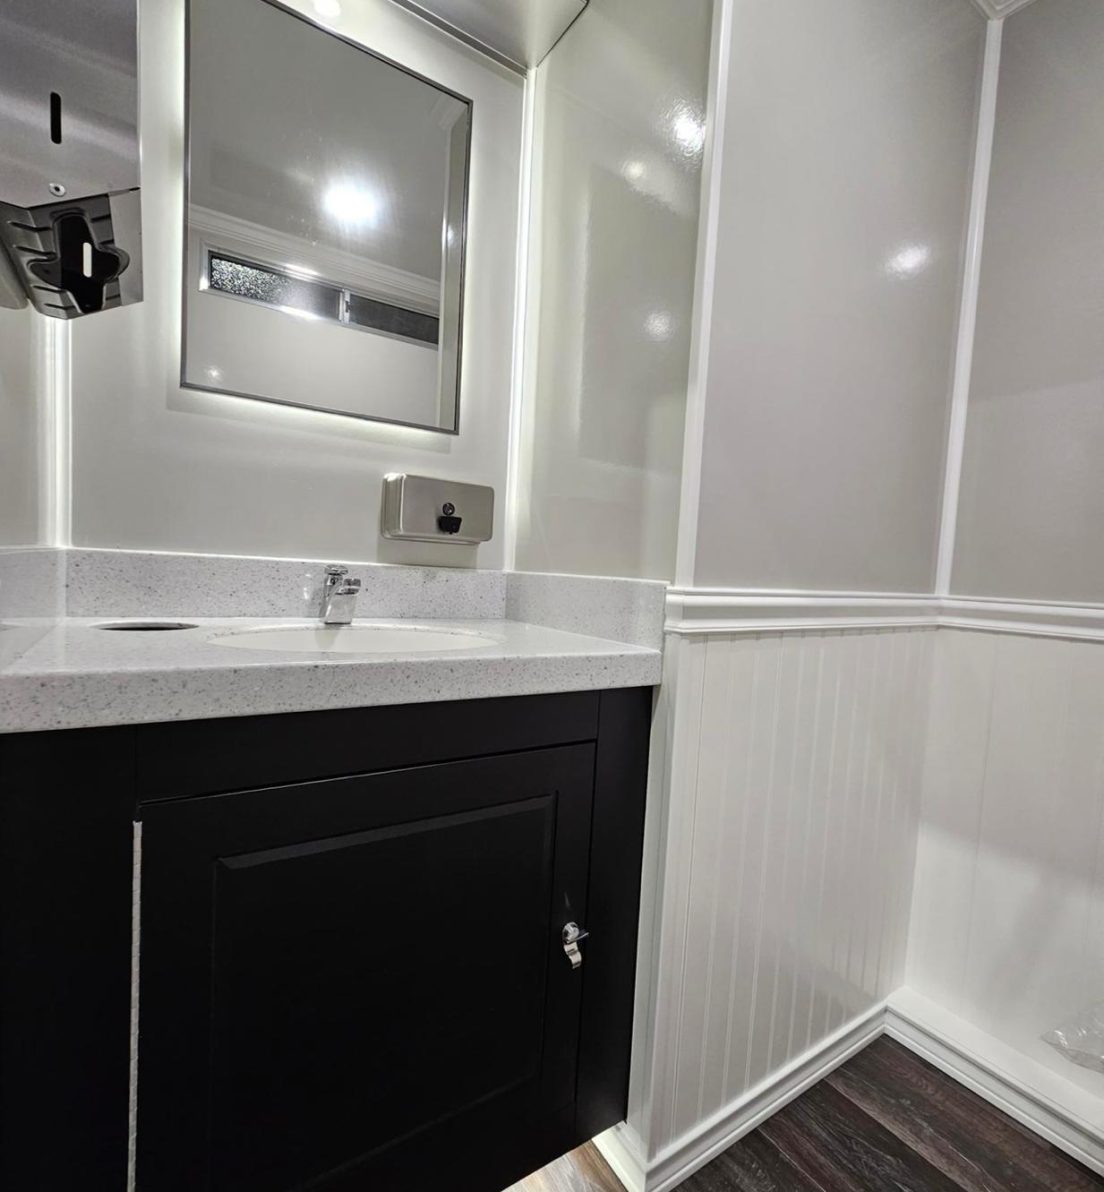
<point x="967" y="318"/>
<point x="768" y="796"/>
<point x="783" y="934"/>
<point x="737" y="932"/>
<point x="812" y="794"/>
<point x="887" y="949"/>
<point x="519" y="385"/>
<point x="684" y="879"/>
<point x="868" y="793"/>
<point x="983" y="785"/>
<point x="828" y="819"/>
<point x="715" y="884"/>
<point x="877" y="917"/>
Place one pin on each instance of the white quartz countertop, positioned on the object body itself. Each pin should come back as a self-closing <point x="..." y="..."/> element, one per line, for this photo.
<point x="65" y="673"/>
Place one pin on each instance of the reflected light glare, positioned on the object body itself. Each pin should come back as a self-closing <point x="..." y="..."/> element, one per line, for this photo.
<point x="351" y="205"/>
<point x="633" y="171"/>
<point x="214" y="374"/>
<point x="330" y="9"/>
<point x="689" y="131"/>
<point x="309" y="315"/>
<point x="909" y="260"/>
<point x="659" y="325"/>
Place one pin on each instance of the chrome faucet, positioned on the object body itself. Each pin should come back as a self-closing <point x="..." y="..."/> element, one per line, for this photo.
<point x="339" y="595"/>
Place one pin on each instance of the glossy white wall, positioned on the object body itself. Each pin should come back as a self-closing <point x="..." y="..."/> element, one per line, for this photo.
<point x="1008" y="913"/>
<point x="156" y="466"/>
<point x="21" y="411"/>
<point x="1032" y="494"/>
<point x="842" y="203"/>
<point x="619" y="110"/>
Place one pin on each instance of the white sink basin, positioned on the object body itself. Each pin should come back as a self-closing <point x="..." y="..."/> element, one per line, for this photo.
<point x="354" y="639"/>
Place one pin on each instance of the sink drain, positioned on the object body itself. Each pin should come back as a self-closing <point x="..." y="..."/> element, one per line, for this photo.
<point x="146" y="626"/>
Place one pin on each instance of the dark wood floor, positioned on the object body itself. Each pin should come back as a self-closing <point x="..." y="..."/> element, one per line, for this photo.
<point x="884" y="1122"/>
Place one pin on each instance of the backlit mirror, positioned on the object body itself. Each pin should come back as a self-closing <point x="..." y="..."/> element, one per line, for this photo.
<point x="324" y="220"/>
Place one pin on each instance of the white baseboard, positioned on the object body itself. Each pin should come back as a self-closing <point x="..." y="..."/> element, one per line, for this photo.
<point x="1014" y="1083"/>
<point x="622" y="1150"/>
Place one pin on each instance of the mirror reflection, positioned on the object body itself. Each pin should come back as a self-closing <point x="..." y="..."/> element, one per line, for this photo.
<point x="325" y="220"/>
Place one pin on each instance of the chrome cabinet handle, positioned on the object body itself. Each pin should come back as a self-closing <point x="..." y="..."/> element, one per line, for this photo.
<point x="572" y="936"/>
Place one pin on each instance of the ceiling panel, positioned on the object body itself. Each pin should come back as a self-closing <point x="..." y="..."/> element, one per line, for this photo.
<point x="517" y="32"/>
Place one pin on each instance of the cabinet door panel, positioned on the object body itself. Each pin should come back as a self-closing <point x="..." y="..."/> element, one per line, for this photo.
<point x="334" y="972"/>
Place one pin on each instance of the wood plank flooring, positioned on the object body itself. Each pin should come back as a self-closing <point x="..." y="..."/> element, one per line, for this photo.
<point x="884" y="1122"/>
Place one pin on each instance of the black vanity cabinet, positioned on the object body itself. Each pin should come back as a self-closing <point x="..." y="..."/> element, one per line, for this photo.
<point x="353" y="965"/>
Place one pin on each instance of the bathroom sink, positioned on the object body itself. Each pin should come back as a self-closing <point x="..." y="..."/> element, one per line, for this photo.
<point x="354" y="639"/>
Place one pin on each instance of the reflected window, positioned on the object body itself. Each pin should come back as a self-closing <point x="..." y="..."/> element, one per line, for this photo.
<point x="247" y="279"/>
<point x="257" y="282"/>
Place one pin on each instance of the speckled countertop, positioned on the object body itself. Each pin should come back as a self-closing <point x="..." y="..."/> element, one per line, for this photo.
<point x="65" y="673"/>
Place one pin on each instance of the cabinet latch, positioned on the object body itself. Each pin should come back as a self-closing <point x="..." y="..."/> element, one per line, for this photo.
<point x="573" y="936"/>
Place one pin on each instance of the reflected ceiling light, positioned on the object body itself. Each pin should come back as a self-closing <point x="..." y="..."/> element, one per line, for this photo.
<point x="633" y="171"/>
<point x="909" y="260"/>
<point x="350" y="205"/>
<point x="659" y="326"/>
<point x="689" y="130"/>
<point x="214" y="374"/>
<point x="329" y="9"/>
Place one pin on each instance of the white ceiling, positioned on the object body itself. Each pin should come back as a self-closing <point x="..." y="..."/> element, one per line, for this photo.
<point x="1001" y="8"/>
<point x="518" y="32"/>
<point x="283" y="116"/>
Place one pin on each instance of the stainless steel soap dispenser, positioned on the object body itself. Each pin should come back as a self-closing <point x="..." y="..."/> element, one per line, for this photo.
<point x="70" y="213"/>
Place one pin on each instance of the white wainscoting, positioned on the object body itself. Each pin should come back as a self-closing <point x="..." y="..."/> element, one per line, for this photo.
<point x="1007" y="927"/>
<point x="781" y="845"/>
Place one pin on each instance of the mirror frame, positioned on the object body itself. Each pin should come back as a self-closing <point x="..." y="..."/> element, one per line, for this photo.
<point x="454" y="429"/>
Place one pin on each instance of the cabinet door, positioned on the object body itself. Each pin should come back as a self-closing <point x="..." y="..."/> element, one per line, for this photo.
<point x="351" y="983"/>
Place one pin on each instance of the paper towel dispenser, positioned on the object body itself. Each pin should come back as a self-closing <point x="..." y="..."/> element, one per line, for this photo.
<point x="519" y="33"/>
<point x="70" y="213"/>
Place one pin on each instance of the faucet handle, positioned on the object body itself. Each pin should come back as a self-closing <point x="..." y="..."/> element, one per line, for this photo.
<point x="336" y="571"/>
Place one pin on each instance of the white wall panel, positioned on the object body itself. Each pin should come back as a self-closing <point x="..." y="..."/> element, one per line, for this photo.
<point x="613" y="238"/>
<point x="1008" y="912"/>
<point x="793" y="798"/>
<point x="1032" y="487"/>
<point x="848" y="153"/>
<point x="20" y="472"/>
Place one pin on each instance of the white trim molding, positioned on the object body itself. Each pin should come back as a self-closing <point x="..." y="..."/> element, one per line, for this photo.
<point x="622" y="1149"/>
<point x="702" y="321"/>
<point x="723" y="611"/>
<point x="995" y="10"/>
<point x="693" y="611"/>
<point x="1084" y="622"/>
<point x="1034" y="1095"/>
<point x="967" y="315"/>
<point x="52" y="344"/>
